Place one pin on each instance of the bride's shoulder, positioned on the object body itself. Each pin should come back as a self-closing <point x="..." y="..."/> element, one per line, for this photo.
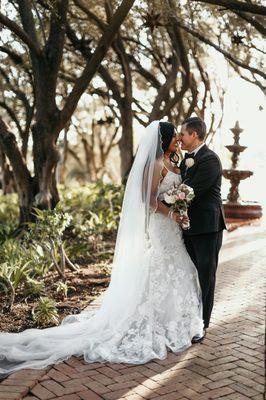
<point x="176" y="170"/>
<point x="159" y="165"/>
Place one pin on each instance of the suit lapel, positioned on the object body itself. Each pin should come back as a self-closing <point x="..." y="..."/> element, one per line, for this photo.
<point x="187" y="174"/>
<point x="190" y="170"/>
<point x="201" y="152"/>
<point x="183" y="169"/>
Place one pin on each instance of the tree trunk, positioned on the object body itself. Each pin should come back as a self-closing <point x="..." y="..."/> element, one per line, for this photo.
<point x="61" y="167"/>
<point x="7" y="178"/>
<point x="89" y="159"/>
<point x="126" y="142"/>
<point x="25" y="193"/>
<point x="46" y="157"/>
<point x="21" y="173"/>
<point x="40" y="191"/>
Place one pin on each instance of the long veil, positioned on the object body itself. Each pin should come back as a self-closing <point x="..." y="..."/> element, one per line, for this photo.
<point x="97" y="336"/>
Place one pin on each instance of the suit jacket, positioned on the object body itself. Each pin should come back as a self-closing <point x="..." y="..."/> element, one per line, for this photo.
<point x="206" y="212"/>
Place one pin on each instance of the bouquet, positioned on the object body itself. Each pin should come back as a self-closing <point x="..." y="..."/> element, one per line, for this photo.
<point x="180" y="197"/>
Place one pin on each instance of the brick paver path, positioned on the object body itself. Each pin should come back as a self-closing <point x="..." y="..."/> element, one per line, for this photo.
<point x="227" y="365"/>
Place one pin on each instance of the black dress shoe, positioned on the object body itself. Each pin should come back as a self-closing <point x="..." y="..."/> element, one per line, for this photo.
<point x="198" y="339"/>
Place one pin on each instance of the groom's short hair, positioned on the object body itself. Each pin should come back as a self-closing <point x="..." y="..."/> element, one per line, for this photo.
<point x="196" y="124"/>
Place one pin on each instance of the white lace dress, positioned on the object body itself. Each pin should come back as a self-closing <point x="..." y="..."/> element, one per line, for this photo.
<point x="174" y="287"/>
<point x="170" y="311"/>
<point x="166" y="314"/>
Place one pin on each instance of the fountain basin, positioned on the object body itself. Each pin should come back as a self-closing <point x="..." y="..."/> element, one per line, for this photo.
<point x="236" y="148"/>
<point x="236" y="175"/>
<point x="242" y="210"/>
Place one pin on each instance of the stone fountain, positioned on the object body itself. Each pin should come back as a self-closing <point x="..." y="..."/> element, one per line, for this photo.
<point x="234" y="207"/>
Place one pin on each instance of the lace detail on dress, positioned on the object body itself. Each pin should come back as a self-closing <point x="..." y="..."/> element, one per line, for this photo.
<point x="168" y="181"/>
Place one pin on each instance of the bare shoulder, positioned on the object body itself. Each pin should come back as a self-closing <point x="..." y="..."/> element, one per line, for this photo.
<point x="176" y="170"/>
<point x="164" y="171"/>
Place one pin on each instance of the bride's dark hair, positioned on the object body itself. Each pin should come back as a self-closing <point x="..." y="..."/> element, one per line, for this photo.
<point x="167" y="131"/>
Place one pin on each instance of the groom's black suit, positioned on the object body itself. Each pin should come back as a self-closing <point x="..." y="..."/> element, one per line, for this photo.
<point x="204" y="238"/>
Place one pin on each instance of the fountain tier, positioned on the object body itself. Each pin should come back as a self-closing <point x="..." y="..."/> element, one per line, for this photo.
<point x="234" y="207"/>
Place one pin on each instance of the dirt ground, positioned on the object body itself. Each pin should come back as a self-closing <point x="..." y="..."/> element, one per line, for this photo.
<point x="84" y="286"/>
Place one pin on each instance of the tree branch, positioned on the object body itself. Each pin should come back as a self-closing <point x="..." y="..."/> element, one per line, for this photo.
<point x="95" y="61"/>
<point x="163" y="92"/>
<point x="146" y="48"/>
<point x="84" y="7"/>
<point x="145" y="73"/>
<point x="216" y="47"/>
<point x="252" y="21"/>
<point x="10" y="148"/>
<point x="75" y="156"/>
<point x="124" y="60"/>
<point x="16" y="58"/>
<point x="237" y="5"/>
<point x="21" y="96"/>
<point x="55" y="43"/>
<point x="103" y="72"/>
<point x="18" y="31"/>
<point x="40" y="20"/>
<point x="25" y="11"/>
<point x="254" y="82"/>
<point x="12" y="115"/>
<point x="178" y="43"/>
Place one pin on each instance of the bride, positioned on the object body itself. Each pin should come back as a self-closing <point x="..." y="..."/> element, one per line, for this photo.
<point x="153" y="303"/>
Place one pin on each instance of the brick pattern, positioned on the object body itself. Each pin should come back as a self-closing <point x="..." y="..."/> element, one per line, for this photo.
<point x="227" y="365"/>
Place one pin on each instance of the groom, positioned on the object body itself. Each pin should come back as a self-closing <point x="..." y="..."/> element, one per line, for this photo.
<point x="202" y="170"/>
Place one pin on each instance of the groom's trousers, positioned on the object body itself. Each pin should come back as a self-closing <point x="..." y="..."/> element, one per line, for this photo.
<point x="204" y="250"/>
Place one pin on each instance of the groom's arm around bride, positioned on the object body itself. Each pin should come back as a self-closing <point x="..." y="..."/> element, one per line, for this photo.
<point x="202" y="170"/>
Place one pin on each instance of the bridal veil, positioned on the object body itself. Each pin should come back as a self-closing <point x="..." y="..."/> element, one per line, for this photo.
<point x="92" y="334"/>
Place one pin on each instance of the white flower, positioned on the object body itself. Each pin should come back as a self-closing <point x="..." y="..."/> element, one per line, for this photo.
<point x="189" y="162"/>
<point x="169" y="199"/>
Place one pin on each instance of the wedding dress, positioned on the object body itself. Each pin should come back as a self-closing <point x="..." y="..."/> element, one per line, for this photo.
<point x="153" y="303"/>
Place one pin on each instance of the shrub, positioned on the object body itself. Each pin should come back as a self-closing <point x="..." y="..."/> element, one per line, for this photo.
<point x="82" y="226"/>
<point x="23" y="261"/>
<point x="45" y="312"/>
<point x="62" y="289"/>
<point x="14" y="269"/>
<point x="95" y="208"/>
<point x="9" y="214"/>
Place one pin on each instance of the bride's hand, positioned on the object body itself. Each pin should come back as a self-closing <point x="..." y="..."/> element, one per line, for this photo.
<point x="180" y="219"/>
<point x="177" y="218"/>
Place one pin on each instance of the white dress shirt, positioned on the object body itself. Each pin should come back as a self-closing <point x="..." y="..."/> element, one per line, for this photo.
<point x="194" y="152"/>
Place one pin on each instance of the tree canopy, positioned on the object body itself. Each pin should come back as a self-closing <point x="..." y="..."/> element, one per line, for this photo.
<point x="97" y="68"/>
